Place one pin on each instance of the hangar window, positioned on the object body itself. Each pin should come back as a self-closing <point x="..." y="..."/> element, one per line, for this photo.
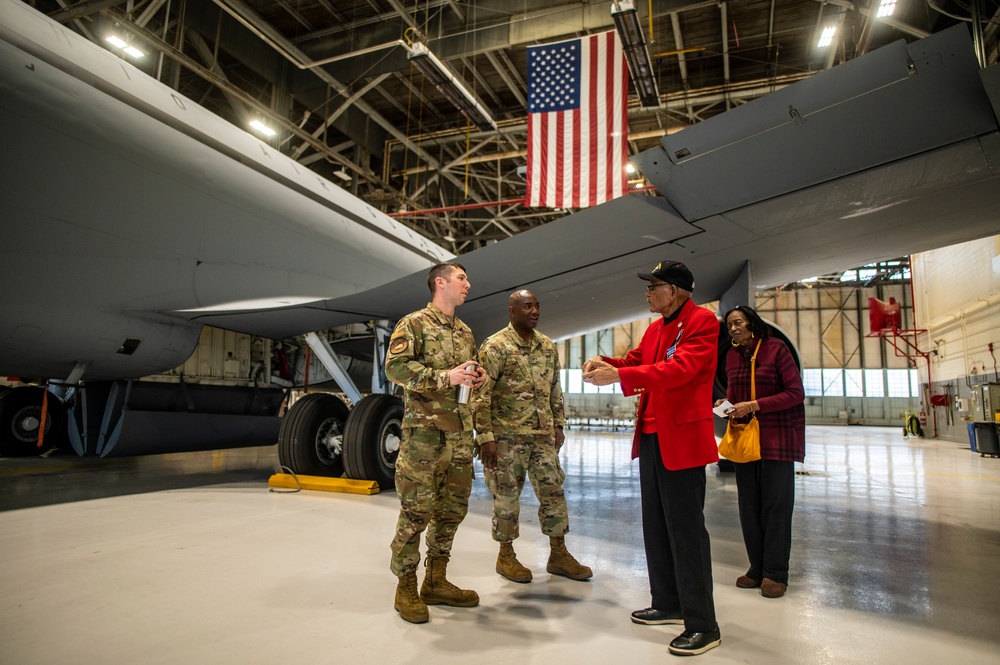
<point x="812" y="382"/>
<point x="833" y="382"/>
<point x="571" y="381"/>
<point x="900" y="383"/>
<point x="874" y="383"/>
<point x="853" y="383"/>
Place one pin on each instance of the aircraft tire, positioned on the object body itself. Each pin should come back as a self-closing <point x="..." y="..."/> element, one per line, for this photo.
<point x="311" y="438"/>
<point x="20" y="415"/>
<point x="372" y="438"/>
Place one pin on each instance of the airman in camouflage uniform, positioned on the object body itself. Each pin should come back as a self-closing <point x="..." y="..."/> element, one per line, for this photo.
<point x="519" y="424"/>
<point x="431" y="353"/>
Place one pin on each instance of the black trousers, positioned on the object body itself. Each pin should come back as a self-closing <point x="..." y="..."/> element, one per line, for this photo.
<point x="678" y="552"/>
<point x="766" y="491"/>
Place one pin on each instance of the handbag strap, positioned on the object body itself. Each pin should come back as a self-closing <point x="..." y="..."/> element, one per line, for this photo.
<point x="753" y="364"/>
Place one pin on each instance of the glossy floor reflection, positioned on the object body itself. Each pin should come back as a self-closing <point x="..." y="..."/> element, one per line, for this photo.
<point x="189" y="558"/>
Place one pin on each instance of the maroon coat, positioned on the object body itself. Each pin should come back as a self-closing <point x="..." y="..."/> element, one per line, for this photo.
<point x="780" y="395"/>
<point x="678" y="389"/>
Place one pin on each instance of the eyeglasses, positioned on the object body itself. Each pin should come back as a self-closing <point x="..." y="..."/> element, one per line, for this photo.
<point x="649" y="289"/>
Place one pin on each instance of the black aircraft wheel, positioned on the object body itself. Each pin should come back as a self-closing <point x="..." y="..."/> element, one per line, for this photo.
<point x="371" y="440"/>
<point x="311" y="439"/>
<point x="21" y="418"/>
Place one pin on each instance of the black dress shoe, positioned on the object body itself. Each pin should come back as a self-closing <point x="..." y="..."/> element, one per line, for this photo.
<point x="654" y="617"/>
<point x="690" y="643"/>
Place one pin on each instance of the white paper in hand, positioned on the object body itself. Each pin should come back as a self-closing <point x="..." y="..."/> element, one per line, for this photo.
<point x="723" y="409"/>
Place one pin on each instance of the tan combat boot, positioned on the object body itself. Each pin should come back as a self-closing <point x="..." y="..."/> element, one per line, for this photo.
<point x="510" y="567"/>
<point x="561" y="562"/>
<point x="437" y="590"/>
<point x="408" y="602"/>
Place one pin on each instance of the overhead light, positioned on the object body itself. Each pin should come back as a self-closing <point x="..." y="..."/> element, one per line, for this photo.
<point x="342" y="174"/>
<point x="449" y="85"/>
<point x="118" y="42"/>
<point x="629" y="168"/>
<point x="627" y="23"/>
<point x="885" y="8"/>
<point x="827" y="36"/>
<point x="448" y="237"/>
<point x="262" y="128"/>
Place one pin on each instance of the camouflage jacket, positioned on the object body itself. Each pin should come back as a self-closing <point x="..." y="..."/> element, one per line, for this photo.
<point x="522" y="394"/>
<point x="423" y="348"/>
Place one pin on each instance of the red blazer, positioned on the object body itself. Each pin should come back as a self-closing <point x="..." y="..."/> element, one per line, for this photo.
<point x="678" y="389"/>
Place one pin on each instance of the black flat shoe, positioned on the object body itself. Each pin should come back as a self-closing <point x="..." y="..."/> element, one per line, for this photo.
<point x="690" y="643"/>
<point x="654" y="617"/>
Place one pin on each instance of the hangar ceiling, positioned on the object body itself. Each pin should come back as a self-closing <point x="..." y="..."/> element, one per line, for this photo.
<point x="369" y="121"/>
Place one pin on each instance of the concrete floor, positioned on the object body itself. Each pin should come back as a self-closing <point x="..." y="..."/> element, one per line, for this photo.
<point x="188" y="558"/>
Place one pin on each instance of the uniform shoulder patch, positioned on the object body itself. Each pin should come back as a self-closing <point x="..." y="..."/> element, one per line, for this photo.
<point x="398" y="345"/>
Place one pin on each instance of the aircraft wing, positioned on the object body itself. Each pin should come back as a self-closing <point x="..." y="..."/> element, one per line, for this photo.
<point x="893" y="153"/>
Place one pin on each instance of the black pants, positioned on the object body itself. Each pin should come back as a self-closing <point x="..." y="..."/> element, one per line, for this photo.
<point x="678" y="552"/>
<point x="766" y="491"/>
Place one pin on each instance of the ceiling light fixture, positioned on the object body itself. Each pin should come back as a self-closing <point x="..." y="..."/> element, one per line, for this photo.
<point x="120" y="43"/>
<point x="827" y="36"/>
<point x="342" y="174"/>
<point x="449" y="85"/>
<point x="885" y="8"/>
<point x="627" y="23"/>
<point x="262" y="128"/>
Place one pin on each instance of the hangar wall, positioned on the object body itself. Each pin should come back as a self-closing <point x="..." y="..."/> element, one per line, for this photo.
<point x="957" y="293"/>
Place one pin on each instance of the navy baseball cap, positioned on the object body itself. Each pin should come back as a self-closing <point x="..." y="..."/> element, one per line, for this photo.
<point x="671" y="272"/>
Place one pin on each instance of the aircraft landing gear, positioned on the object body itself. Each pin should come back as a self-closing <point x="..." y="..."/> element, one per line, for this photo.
<point x="21" y="418"/>
<point x="372" y="438"/>
<point x="318" y="436"/>
<point x="311" y="440"/>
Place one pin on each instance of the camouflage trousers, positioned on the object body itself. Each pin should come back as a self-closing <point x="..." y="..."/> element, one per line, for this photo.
<point x="433" y="482"/>
<point x="535" y="456"/>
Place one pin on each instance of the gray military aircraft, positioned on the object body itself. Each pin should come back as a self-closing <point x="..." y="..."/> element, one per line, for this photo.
<point x="131" y="217"/>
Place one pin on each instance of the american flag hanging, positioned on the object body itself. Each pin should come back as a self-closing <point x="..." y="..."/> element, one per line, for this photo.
<point x="577" y="122"/>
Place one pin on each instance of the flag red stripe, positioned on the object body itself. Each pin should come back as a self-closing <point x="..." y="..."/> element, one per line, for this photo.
<point x="577" y="175"/>
<point x="609" y="95"/>
<point x="595" y="131"/>
<point x="558" y="157"/>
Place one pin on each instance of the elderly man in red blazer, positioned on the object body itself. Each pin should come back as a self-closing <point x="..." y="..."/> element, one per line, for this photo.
<point x="672" y="371"/>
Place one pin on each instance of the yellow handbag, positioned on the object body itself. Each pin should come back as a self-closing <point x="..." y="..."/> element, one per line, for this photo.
<point x="742" y="440"/>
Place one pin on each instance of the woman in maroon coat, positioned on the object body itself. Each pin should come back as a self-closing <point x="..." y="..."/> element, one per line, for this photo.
<point x="766" y="488"/>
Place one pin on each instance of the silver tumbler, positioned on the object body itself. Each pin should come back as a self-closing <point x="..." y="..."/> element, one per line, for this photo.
<point x="464" y="391"/>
